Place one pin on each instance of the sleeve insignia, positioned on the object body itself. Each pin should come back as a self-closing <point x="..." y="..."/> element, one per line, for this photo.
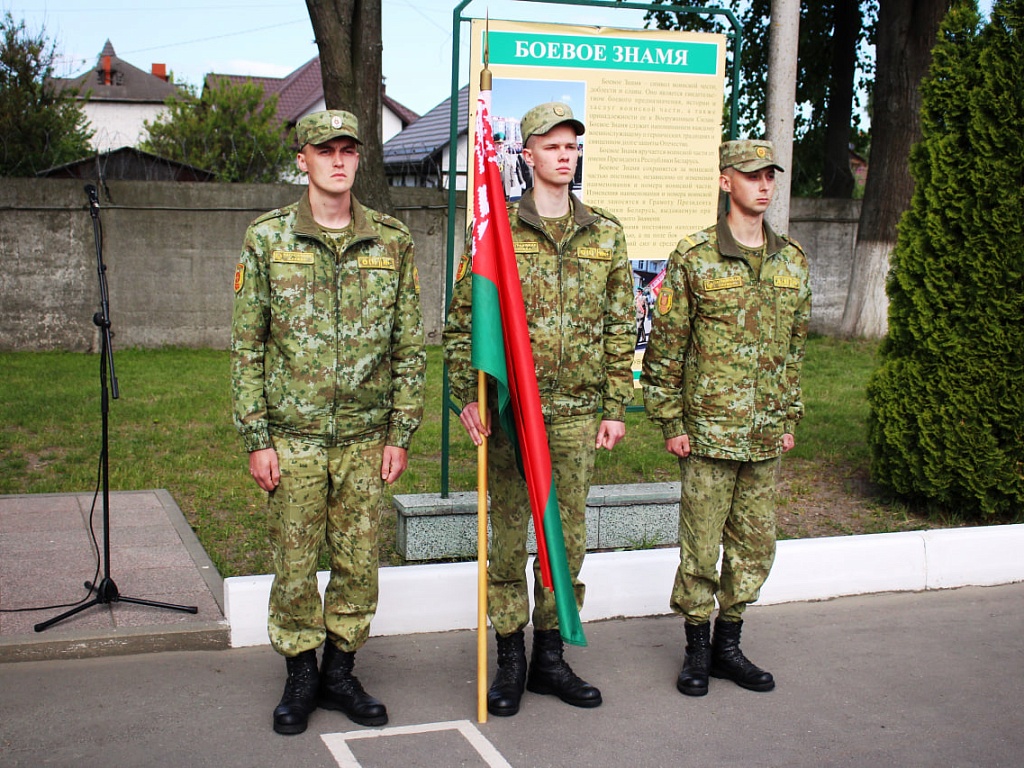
<point x="664" y="300"/>
<point x="239" y="276"/>
<point x="463" y="269"/>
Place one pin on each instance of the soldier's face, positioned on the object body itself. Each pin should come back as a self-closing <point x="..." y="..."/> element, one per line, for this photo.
<point x="750" y="192"/>
<point x="553" y="156"/>
<point x="331" y="166"/>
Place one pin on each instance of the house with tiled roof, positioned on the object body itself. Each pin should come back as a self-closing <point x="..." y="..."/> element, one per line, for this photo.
<point x="419" y="155"/>
<point x="302" y="92"/>
<point x="120" y="98"/>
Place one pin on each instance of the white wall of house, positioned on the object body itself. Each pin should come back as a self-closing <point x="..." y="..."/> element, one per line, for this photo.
<point x="119" y="124"/>
<point x="461" y="156"/>
<point x="390" y="124"/>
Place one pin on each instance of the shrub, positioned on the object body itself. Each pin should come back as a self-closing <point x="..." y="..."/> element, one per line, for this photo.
<point x="946" y="423"/>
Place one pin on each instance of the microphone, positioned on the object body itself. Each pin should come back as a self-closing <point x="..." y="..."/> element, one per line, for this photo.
<point x="94" y="200"/>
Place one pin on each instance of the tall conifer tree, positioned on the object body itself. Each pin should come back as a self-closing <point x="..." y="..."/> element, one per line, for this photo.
<point x="947" y="403"/>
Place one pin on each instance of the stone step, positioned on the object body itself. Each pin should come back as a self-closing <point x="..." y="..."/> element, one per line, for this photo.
<point x="627" y="516"/>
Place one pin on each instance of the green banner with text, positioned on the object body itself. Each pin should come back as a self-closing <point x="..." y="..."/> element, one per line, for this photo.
<point x="621" y="54"/>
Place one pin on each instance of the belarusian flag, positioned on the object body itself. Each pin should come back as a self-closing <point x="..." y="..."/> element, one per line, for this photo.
<point x="501" y="348"/>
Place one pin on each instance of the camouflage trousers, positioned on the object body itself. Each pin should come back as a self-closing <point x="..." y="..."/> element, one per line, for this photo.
<point x="328" y="497"/>
<point x="729" y="505"/>
<point x="571" y="444"/>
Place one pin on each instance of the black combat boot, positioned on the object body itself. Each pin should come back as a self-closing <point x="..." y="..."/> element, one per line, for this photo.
<point x="550" y="674"/>
<point x="693" y="679"/>
<point x="341" y="690"/>
<point x="729" y="663"/>
<point x="292" y="715"/>
<point x="507" y="688"/>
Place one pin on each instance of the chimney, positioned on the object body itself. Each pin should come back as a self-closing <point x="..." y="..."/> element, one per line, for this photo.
<point x="160" y="70"/>
<point x="106" y="70"/>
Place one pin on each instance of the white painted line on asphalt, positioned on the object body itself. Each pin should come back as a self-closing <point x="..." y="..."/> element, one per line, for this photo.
<point x="337" y="743"/>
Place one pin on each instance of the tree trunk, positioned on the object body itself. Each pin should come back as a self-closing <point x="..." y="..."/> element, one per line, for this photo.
<point x="348" y="35"/>
<point x="837" y="179"/>
<point x="907" y="30"/>
<point x="779" y="110"/>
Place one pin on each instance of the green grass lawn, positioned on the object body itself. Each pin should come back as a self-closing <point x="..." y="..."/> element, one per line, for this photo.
<point x="171" y="428"/>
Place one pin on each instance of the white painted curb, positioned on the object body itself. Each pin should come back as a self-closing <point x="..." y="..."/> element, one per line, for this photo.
<point x="437" y="598"/>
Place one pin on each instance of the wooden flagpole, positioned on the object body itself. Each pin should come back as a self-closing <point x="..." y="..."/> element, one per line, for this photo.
<point x="481" y="500"/>
<point x="481" y="556"/>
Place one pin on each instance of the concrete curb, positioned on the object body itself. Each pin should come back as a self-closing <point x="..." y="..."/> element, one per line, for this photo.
<point x="442" y="597"/>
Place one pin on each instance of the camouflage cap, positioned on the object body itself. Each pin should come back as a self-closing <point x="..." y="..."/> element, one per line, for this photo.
<point x="747" y="156"/>
<point x="544" y="117"/>
<point x="318" y="127"/>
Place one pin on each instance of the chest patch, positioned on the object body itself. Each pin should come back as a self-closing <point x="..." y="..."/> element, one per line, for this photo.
<point x="721" y="283"/>
<point x="597" y="254"/>
<point x="377" y="262"/>
<point x="786" y="281"/>
<point x="291" y="257"/>
<point x="528" y="246"/>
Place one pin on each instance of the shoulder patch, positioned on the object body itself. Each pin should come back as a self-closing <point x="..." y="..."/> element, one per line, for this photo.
<point x="277" y="213"/>
<point x="390" y="221"/>
<point x="795" y="244"/>
<point x="690" y="242"/>
<point x="606" y="214"/>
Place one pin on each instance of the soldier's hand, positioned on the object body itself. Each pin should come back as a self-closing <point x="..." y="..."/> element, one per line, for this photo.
<point x="788" y="442"/>
<point x="470" y="418"/>
<point x="264" y="469"/>
<point x="609" y="433"/>
<point x="678" y="446"/>
<point x="394" y="463"/>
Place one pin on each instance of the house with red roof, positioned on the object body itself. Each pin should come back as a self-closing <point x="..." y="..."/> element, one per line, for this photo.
<point x="120" y="98"/>
<point x="302" y="92"/>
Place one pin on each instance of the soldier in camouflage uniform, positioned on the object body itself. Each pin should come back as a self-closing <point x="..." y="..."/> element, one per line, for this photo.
<point x="577" y="288"/>
<point x="721" y="376"/>
<point x="327" y="368"/>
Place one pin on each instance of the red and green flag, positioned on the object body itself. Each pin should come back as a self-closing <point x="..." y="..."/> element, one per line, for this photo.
<point x="501" y="348"/>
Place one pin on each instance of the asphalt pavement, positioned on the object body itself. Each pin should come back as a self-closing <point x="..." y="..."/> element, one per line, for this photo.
<point x="908" y="679"/>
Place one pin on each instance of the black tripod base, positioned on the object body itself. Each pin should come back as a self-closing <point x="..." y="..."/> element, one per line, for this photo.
<point x="106" y="592"/>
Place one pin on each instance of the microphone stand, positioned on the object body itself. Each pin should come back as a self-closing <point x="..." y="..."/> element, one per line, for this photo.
<point x="106" y="591"/>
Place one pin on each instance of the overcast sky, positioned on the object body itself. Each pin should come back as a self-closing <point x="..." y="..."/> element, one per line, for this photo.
<point x="261" y="37"/>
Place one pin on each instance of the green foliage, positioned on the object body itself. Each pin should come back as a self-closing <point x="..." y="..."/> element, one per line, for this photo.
<point x="813" y="80"/>
<point x="947" y="403"/>
<point x="231" y="130"/>
<point x="40" y="126"/>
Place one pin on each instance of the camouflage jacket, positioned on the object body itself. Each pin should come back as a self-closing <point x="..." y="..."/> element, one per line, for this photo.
<point x="723" y="361"/>
<point x="327" y="346"/>
<point x="579" y="308"/>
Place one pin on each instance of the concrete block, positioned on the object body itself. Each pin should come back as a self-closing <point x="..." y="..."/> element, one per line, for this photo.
<point x="440" y="597"/>
<point x="818" y="569"/>
<point x="618" y="516"/>
<point x="958" y="557"/>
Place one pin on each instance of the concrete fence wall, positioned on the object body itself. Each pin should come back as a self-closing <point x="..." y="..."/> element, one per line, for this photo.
<point x="170" y="251"/>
